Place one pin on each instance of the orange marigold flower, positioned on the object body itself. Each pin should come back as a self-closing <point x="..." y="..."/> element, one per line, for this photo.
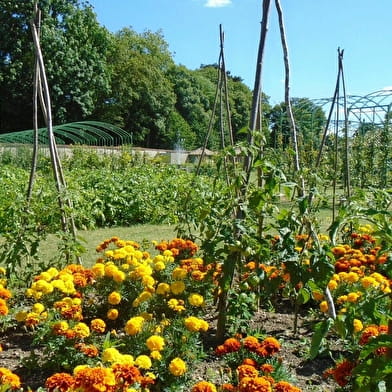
<point x="98" y="325"/>
<point x="342" y="372"/>
<point x="246" y="371"/>
<point x="251" y="343"/>
<point x="5" y="293"/>
<point x="127" y="374"/>
<point x="255" y="384"/>
<point x="228" y="388"/>
<point x="97" y="379"/>
<point x="79" y="279"/>
<point x="61" y="382"/>
<point x="232" y="345"/>
<point x="268" y="347"/>
<point x="369" y="332"/>
<point x="249" y="361"/>
<point x="204" y="386"/>
<point x="87" y="349"/>
<point x="284" y="386"/>
<point x="3" y="307"/>
<point x="220" y="350"/>
<point x="9" y="378"/>
<point x="266" y="368"/>
<point x="251" y="265"/>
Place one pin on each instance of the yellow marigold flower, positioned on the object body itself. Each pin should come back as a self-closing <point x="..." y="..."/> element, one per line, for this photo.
<point x="148" y="281"/>
<point x="141" y="271"/>
<point x="179" y="273"/>
<point x="144" y="296"/>
<point x="176" y="305"/>
<point x="143" y="362"/>
<point x="343" y="276"/>
<point x="112" y="314"/>
<point x="45" y="276"/>
<point x="358" y="326"/>
<point x="53" y="272"/>
<point x="114" y="298"/>
<point x="69" y="287"/>
<point x="110" y="270"/>
<point x="323" y="237"/>
<point x="134" y="325"/>
<point x="163" y="288"/>
<point x="368" y="281"/>
<point x="155" y="343"/>
<point x="98" y="325"/>
<point x="21" y="316"/>
<point x="78" y="368"/>
<point x="352" y="297"/>
<point x="59" y="285"/>
<point x="341" y="299"/>
<point x="159" y="266"/>
<point x="156" y="355"/>
<point x="43" y="286"/>
<point x="332" y="284"/>
<point x="177" y="367"/>
<point x="378" y="277"/>
<point x="60" y="327"/>
<point x="352" y="277"/>
<point x="38" y="308"/>
<point x="196" y="299"/>
<point x="127" y="359"/>
<point x="324" y="306"/>
<point x="2" y="271"/>
<point x="167" y="253"/>
<point x="111" y="355"/>
<point x="177" y="287"/>
<point x="195" y="324"/>
<point x="81" y="330"/>
<point x="119" y="276"/>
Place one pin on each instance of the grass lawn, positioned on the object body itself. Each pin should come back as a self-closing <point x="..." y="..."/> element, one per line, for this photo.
<point x="90" y="239"/>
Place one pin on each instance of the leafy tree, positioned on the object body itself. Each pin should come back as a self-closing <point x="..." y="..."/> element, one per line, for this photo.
<point x="74" y="47"/>
<point x="240" y="97"/>
<point x="141" y="97"/>
<point x="310" y="120"/>
<point x="194" y="100"/>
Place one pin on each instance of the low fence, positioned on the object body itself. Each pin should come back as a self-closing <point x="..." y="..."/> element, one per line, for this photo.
<point x="175" y="157"/>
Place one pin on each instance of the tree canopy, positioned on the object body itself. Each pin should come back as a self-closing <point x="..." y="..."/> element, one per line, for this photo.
<point x="125" y="78"/>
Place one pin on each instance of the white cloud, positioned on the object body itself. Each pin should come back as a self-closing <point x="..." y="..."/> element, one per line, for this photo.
<point x="217" y="3"/>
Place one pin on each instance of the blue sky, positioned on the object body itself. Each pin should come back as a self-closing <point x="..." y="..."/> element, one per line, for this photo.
<point x="314" y="29"/>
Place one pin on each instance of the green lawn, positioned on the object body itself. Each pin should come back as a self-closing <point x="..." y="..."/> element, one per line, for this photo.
<point x="90" y="239"/>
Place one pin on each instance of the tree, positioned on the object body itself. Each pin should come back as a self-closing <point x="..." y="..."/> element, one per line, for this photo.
<point x="240" y="97"/>
<point x="194" y="100"/>
<point x="310" y="122"/>
<point x="142" y="97"/>
<point x="74" y="47"/>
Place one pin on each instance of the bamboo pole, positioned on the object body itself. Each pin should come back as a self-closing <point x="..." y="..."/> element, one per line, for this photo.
<point x="293" y="127"/>
<point x="42" y="90"/>
<point x="257" y="89"/>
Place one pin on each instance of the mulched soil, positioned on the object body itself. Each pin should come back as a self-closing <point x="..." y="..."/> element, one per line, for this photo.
<point x="307" y="374"/>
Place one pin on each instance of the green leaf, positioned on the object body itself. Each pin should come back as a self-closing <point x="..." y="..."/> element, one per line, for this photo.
<point x="320" y="331"/>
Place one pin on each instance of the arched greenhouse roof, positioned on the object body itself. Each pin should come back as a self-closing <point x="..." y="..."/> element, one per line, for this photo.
<point x="92" y="133"/>
<point x="371" y="108"/>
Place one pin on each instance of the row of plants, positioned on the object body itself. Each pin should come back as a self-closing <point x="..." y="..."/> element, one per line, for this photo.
<point x="106" y="190"/>
<point x="135" y="321"/>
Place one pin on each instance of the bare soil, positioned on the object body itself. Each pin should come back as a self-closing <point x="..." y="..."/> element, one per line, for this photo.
<point x="306" y="374"/>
